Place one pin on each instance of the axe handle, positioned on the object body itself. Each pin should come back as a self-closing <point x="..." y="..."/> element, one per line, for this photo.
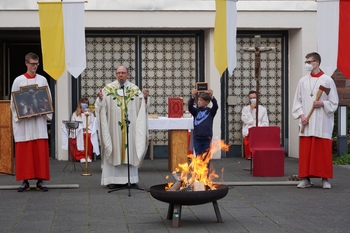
<point x="318" y="96"/>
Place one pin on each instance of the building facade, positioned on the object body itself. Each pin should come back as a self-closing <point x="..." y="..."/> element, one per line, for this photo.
<point x="168" y="46"/>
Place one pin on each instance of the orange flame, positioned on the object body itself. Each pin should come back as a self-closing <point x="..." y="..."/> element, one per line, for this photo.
<point x="199" y="169"/>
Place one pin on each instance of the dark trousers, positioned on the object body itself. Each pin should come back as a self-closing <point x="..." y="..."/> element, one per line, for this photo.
<point x="201" y="145"/>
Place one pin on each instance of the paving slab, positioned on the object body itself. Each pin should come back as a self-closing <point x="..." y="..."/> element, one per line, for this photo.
<point x="76" y="203"/>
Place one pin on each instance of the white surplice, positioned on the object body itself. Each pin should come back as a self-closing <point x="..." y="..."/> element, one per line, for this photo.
<point x="34" y="127"/>
<point x="321" y="121"/>
<point x="249" y="118"/>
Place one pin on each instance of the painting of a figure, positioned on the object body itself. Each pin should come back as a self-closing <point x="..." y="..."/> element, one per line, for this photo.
<point x="32" y="100"/>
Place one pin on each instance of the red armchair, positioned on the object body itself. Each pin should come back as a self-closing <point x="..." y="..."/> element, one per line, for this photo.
<point x="267" y="156"/>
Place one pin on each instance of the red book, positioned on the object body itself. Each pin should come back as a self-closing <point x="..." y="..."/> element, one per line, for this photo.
<point x="175" y="107"/>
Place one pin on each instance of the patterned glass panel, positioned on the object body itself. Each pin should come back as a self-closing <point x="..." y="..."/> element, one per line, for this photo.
<point x="168" y="70"/>
<point x="103" y="56"/>
<point x="243" y="80"/>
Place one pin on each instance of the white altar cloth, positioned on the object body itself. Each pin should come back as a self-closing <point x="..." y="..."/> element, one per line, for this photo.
<point x="165" y="123"/>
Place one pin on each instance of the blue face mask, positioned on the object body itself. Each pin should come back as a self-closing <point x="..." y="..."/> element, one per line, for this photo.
<point x="84" y="105"/>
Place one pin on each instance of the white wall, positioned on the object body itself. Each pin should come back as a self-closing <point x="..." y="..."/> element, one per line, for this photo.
<point x="62" y="112"/>
<point x="213" y="79"/>
<point x="296" y="55"/>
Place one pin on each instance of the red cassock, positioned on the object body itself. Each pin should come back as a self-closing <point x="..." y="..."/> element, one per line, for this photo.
<point x="77" y="154"/>
<point x="246" y="147"/>
<point x="315" y="157"/>
<point x="32" y="160"/>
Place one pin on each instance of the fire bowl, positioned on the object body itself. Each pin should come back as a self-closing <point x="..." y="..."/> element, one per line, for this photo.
<point x="188" y="198"/>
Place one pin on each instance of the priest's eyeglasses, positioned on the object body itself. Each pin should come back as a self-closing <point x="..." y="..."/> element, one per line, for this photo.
<point x="122" y="73"/>
<point x="309" y="62"/>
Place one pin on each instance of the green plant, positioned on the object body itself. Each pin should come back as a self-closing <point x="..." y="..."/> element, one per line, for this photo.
<point x="342" y="160"/>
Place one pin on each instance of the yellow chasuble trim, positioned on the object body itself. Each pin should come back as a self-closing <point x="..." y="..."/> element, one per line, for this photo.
<point x="123" y="129"/>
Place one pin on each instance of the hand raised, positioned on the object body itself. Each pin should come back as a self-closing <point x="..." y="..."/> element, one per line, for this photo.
<point x="100" y="94"/>
<point x="210" y="92"/>
<point x="193" y="93"/>
<point x="145" y="92"/>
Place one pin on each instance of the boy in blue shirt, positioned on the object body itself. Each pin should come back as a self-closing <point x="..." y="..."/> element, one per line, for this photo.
<point x="203" y="119"/>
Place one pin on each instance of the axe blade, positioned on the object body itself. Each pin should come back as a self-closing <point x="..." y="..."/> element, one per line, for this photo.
<point x="324" y="89"/>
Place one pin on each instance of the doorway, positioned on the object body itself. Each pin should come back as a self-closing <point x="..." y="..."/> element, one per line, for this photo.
<point x="13" y="51"/>
<point x="273" y="88"/>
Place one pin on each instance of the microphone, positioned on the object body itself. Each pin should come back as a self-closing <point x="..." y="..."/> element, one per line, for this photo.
<point x="121" y="82"/>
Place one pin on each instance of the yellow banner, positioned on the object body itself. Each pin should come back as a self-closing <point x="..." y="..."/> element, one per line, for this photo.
<point x="52" y="38"/>
<point x="220" y="39"/>
<point x="225" y="33"/>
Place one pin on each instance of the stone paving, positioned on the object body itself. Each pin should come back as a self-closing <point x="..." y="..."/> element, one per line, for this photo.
<point x="76" y="203"/>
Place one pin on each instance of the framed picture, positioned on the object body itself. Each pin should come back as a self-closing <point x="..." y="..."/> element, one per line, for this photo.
<point x="201" y="86"/>
<point x="32" y="100"/>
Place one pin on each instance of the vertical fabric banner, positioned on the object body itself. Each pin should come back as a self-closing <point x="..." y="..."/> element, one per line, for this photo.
<point x="344" y="38"/>
<point x="74" y="37"/>
<point x="333" y="34"/>
<point x="62" y="33"/>
<point x="225" y="33"/>
<point x="52" y="38"/>
<point x="327" y="34"/>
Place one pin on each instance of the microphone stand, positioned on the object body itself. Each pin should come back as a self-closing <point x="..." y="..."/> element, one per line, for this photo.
<point x="127" y="149"/>
<point x="86" y="173"/>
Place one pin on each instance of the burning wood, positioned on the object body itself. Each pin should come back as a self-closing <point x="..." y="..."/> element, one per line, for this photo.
<point x="188" y="188"/>
<point x="176" y="186"/>
<point x="197" y="175"/>
<point x="176" y="176"/>
<point x="198" y="186"/>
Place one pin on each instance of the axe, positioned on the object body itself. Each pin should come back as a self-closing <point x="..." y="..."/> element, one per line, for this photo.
<point x="318" y="96"/>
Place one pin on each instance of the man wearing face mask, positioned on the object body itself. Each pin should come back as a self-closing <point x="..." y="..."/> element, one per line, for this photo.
<point x="315" y="143"/>
<point x="249" y="120"/>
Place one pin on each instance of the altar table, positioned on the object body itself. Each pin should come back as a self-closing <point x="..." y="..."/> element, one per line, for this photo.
<point x="177" y="137"/>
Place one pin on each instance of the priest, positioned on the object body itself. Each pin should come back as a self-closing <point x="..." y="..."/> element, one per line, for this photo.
<point x="121" y="110"/>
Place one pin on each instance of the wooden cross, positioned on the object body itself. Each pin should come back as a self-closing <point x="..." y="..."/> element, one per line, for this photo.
<point x="257" y="50"/>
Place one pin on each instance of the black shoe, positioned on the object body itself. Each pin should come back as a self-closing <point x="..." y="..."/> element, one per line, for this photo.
<point x="24" y="186"/>
<point x="41" y="187"/>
